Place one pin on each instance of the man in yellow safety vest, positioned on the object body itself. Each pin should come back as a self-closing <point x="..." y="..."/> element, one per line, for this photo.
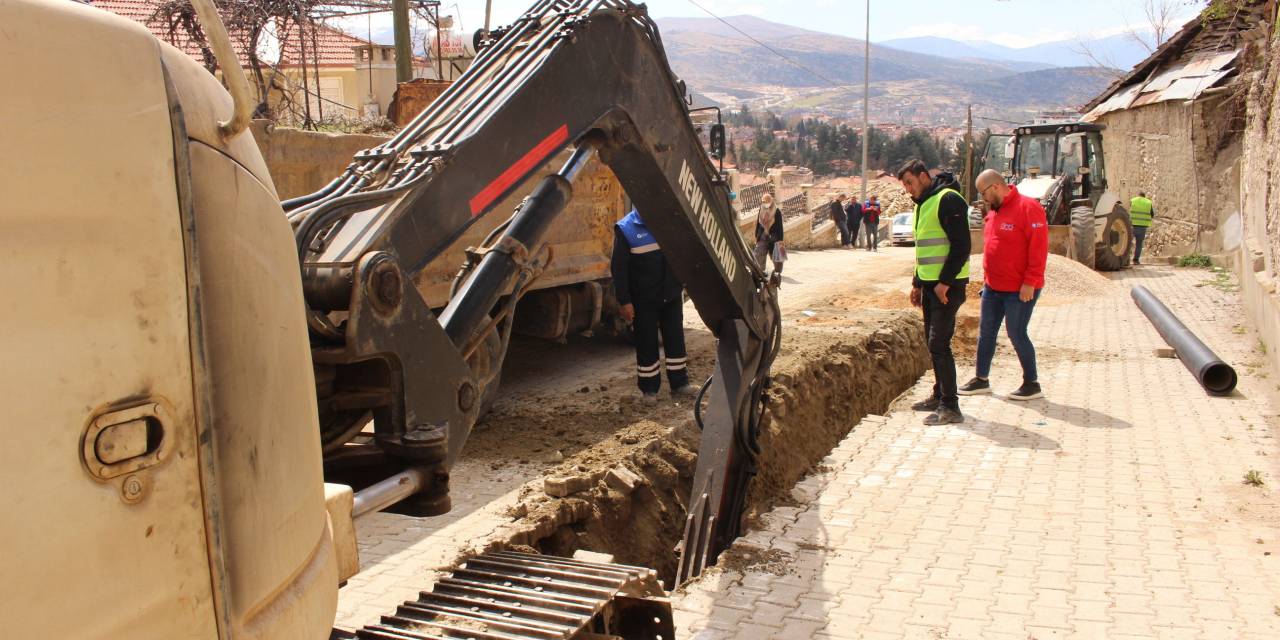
<point x="942" y="272"/>
<point x="1141" y="211"/>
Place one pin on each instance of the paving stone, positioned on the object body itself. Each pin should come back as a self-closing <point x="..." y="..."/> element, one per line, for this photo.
<point x="1089" y="513"/>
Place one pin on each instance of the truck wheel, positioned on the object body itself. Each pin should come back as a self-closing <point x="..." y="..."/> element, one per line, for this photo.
<point x="1112" y="253"/>
<point x="1082" y="235"/>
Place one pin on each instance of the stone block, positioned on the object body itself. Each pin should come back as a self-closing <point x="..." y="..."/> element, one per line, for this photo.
<point x="622" y="479"/>
<point x="563" y="486"/>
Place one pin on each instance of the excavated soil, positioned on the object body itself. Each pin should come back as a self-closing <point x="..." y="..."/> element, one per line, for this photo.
<point x="846" y="353"/>
<point x="825" y="380"/>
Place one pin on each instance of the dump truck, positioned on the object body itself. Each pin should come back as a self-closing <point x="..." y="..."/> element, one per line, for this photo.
<point x="190" y="362"/>
<point x="1062" y="165"/>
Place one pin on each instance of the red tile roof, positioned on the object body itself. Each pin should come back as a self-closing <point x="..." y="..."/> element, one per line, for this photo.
<point x="334" y="46"/>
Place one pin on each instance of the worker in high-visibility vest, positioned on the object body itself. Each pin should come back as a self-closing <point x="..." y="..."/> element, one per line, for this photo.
<point x="942" y="272"/>
<point x="1141" y="211"/>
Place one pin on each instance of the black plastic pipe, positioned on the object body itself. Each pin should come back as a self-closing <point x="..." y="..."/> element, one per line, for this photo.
<point x="1216" y="376"/>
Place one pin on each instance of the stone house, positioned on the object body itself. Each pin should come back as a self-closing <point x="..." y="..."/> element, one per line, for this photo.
<point x="1173" y="131"/>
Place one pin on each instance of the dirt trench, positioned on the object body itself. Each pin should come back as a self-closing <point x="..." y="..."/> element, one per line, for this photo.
<point x="829" y="375"/>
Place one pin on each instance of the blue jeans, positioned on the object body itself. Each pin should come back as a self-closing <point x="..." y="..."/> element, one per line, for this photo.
<point x="1016" y="315"/>
<point x="1139" y="238"/>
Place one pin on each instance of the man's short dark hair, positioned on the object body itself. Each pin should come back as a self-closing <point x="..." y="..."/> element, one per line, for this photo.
<point x="913" y="166"/>
<point x="1142" y="194"/>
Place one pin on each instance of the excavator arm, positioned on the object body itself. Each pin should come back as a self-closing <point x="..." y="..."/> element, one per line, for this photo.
<point x="586" y="75"/>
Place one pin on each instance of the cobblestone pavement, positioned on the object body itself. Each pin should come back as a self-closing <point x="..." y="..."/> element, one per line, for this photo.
<point x="1113" y="508"/>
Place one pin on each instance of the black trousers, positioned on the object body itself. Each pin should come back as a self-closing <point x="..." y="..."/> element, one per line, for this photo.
<point x="843" y="226"/>
<point x="873" y="236"/>
<point x="665" y="320"/>
<point x="939" y="327"/>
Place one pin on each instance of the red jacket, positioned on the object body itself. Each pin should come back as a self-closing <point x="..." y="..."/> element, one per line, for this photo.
<point x="1015" y="244"/>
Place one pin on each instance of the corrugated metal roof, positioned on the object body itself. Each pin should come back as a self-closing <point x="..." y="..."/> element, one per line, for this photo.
<point x="1179" y="81"/>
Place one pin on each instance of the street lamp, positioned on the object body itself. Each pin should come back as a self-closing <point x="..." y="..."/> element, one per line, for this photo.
<point x="866" y="99"/>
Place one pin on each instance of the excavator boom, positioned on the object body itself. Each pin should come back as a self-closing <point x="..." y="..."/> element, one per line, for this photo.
<point x="586" y="74"/>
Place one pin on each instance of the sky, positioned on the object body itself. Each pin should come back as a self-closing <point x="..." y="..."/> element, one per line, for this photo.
<point x="1013" y="23"/>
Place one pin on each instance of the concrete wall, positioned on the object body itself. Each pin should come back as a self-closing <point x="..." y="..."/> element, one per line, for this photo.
<point x="1257" y="256"/>
<point x="1175" y="152"/>
<point x="303" y="161"/>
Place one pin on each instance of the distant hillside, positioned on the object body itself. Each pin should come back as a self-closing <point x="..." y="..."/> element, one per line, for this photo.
<point x="1059" y="85"/>
<point x="705" y="50"/>
<point x="905" y="85"/>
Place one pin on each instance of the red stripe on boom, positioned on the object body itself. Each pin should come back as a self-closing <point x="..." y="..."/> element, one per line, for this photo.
<point x="522" y="167"/>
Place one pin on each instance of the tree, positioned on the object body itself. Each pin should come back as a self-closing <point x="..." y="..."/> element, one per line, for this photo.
<point x="247" y="22"/>
<point x="1158" y="23"/>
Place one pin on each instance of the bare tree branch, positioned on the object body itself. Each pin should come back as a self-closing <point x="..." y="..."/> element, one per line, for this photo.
<point x="1097" y="56"/>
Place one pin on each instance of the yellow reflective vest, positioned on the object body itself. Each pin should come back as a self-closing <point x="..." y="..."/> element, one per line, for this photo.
<point x="1140" y="209"/>
<point x="932" y="244"/>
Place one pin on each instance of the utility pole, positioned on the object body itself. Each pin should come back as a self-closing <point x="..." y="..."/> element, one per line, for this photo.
<point x="968" y="157"/>
<point x="439" y="61"/>
<point x="488" y="11"/>
<point x="404" y="52"/>
<point x="866" y="99"/>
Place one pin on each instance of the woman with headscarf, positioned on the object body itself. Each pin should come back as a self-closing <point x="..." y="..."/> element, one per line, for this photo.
<point x="768" y="232"/>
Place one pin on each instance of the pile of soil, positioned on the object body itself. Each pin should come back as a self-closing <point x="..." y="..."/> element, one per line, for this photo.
<point x="1065" y="280"/>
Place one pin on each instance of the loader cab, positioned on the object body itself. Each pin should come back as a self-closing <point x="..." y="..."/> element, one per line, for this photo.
<point x="1043" y="154"/>
<point x="998" y="154"/>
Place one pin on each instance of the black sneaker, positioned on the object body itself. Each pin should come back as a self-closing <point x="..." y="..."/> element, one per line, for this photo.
<point x="928" y="404"/>
<point x="974" y="387"/>
<point x="1028" y="391"/>
<point x="944" y="415"/>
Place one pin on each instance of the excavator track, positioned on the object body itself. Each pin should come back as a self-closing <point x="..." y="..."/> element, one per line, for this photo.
<point x="518" y="596"/>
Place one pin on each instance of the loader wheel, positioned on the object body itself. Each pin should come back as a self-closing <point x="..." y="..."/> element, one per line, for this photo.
<point x="1112" y="253"/>
<point x="1082" y="235"/>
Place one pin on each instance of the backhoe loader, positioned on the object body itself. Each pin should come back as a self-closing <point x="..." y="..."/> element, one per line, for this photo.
<point x="189" y="363"/>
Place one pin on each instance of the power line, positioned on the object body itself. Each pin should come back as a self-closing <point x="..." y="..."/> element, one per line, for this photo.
<point x="775" y="52"/>
<point x="999" y="120"/>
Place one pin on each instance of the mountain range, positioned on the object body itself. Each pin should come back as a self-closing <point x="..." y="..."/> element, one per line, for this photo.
<point x="808" y="71"/>
<point x="1119" y="51"/>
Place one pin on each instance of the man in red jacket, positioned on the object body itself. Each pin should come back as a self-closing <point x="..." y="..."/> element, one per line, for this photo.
<point x="1015" y="250"/>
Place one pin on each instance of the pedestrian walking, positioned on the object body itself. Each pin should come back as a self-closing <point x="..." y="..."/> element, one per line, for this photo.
<point x="941" y="274"/>
<point x="1141" y="212"/>
<point x="652" y="300"/>
<point x="1015" y="251"/>
<point x="853" y="211"/>
<point x="769" y="234"/>
<point x="836" y="210"/>
<point x="871" y="220"/>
